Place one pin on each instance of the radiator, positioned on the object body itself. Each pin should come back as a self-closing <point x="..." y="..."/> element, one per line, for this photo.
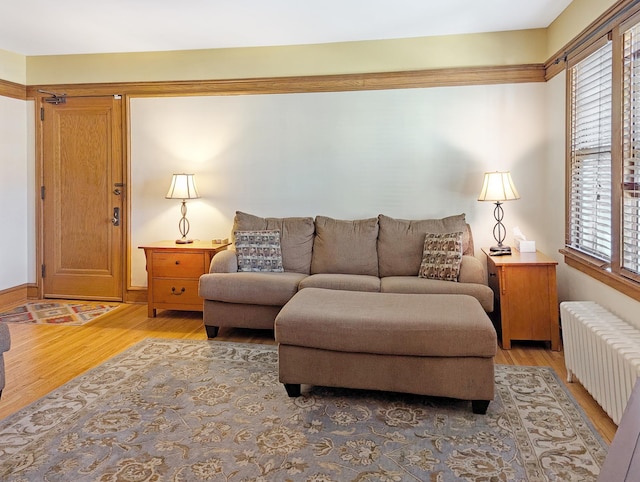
<point x="602" y="352"/>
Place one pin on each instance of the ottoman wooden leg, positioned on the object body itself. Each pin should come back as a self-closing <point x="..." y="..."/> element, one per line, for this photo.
<point x="480" y="406"/>
<point x="293" y="389"/>
<point x="212" y="331"/>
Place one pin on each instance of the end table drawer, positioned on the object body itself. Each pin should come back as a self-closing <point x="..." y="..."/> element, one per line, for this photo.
<point x="178" y="265"/>
<point x="176" y="291"/>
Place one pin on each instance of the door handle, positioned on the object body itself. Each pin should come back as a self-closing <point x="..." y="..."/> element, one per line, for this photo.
<point x="115" y="220"/>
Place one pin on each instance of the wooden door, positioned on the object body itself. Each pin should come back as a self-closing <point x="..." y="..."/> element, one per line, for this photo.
<point x="82" y="198"/>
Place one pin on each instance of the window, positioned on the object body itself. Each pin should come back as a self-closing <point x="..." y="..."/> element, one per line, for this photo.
<point x="603" y="175"/>
<point x="631" y="148"/>
<point x="590" y="158"/>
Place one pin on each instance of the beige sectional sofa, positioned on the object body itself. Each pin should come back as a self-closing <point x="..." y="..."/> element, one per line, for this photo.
<point x="380" y="254"/>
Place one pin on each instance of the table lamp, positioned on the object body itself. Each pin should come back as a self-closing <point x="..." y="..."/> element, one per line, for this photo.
<point x="498" y="187"/>
<point x="183" y="187"/>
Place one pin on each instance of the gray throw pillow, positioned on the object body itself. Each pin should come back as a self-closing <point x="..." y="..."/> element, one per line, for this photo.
<point x="258" y="251"/>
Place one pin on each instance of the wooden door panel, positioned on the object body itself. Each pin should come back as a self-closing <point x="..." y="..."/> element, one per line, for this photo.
<point x="82" y="163"/>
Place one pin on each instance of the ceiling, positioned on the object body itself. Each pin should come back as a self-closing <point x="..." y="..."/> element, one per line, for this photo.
<point x="42" y="27"/>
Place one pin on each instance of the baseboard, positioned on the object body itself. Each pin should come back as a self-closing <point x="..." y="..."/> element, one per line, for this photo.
<point x="33" y="292"/>
<point x="136" y="295"/>
<point x="25" y="292"/>
<point x="14" y="296"/>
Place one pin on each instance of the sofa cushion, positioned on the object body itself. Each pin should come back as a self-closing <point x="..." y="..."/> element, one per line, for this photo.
<point x="273" y="289"/>
<point x="442" y="256"/>
<point x="296" y="237"/>
<point x="401" y="242"/>
<point x="387" y="324"/>
<point x="415" y="285"/>
<point x="346" y="282"/>
<point x="345" y="247"/>
<point x="258" y="251"/>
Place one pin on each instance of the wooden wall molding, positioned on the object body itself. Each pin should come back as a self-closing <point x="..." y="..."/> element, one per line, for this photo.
<point x="343" y="82"/>
<point x="13" y="90"/>
<point x="302" y="84"/>
<point x="13" y="296"/>
<point x="136" y="295"/>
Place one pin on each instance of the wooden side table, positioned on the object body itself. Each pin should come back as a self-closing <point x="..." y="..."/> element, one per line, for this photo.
<point x="173" y="271"/>
<point x="526" y="297"/>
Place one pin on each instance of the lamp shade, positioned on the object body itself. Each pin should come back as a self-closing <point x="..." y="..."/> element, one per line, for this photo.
<point x="498" y="186"/>
<point x="183" y="186"/>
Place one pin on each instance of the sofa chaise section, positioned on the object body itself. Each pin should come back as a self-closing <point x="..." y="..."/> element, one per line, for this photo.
<point x="253" y="299"/>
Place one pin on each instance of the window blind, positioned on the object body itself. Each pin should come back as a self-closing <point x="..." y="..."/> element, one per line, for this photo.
<point x="630" y="249"/>
<point x="589" y="216"/>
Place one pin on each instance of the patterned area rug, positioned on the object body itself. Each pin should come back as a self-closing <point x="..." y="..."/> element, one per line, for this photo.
<point x="56" y="313"/>
<point x="175" y="410"/>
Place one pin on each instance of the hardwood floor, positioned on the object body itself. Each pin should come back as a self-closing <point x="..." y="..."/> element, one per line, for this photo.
<point x="44" y="357"/>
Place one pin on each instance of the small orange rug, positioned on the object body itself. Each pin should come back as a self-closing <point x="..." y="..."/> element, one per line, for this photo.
<point x="56" y="313"/>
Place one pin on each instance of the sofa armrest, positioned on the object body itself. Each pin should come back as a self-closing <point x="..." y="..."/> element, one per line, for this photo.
<point x="472" y="271"/>
<point x="224" y="262"/>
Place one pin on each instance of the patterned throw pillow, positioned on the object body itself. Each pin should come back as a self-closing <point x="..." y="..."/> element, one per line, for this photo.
<point x="442" y="256"/>
<point x="259" y="251"/>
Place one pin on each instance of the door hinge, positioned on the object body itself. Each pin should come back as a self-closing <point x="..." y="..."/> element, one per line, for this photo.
<point x="42" y="113"/>
<point x="42" y="192"/>
<point x="43" y="270"/>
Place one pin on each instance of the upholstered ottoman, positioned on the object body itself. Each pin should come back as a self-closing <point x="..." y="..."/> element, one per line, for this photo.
<point x="438" y="345"/>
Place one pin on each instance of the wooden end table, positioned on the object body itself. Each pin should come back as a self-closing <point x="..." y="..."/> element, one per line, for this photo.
<point x="526" y="297"/>
<point x="173" y="271"/>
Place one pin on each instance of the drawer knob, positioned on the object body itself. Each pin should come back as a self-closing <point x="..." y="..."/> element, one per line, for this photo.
<point x="177" y="261"/>
<point x="174" y="292"/>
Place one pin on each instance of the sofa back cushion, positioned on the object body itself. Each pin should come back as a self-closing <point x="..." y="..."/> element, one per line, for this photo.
<point x="346" y="247"/>
<point x="401" y="242"/>
<point x="296" y="237"/>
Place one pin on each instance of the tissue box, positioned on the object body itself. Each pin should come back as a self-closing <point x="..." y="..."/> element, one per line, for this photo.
<point x="525" y="246"/>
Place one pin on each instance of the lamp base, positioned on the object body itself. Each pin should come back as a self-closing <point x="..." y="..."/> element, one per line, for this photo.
<point x="500" y="250"/>
<point x="184" y="241"/>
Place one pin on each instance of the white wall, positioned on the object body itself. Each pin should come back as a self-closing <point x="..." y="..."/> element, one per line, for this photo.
<point x="412" y="153"/>
<point x="15" y="244"/>
<point x="572" y="284"/>
<point x="407" y="153"/>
